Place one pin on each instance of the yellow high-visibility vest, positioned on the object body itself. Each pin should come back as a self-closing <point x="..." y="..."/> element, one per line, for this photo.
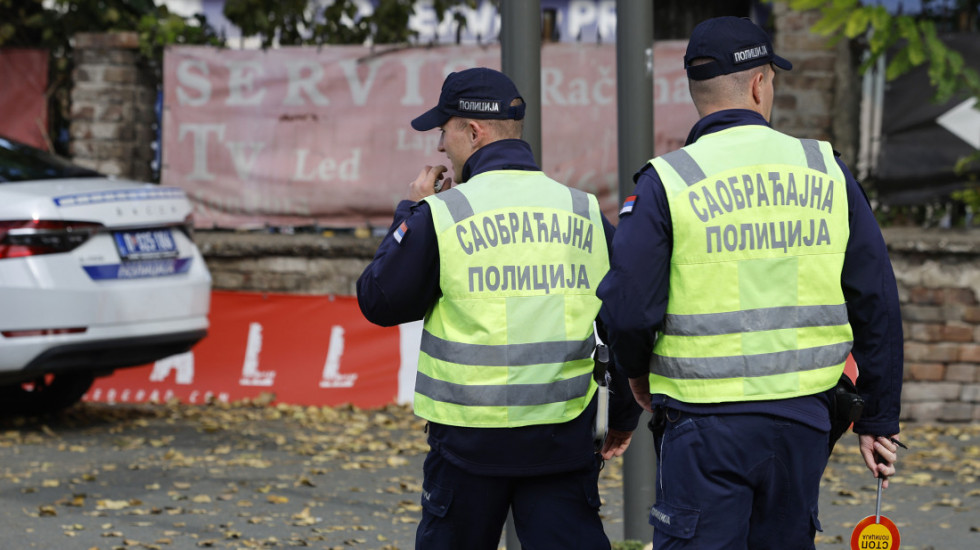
<point x="755" y="310"/>
<point x="509" y="342"/>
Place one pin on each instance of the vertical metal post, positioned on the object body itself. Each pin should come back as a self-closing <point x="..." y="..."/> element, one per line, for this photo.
<point x="634" y="96"/>
<point x="520" y="59"/>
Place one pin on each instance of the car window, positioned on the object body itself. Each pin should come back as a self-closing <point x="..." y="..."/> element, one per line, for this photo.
<point x="19" y="162"/>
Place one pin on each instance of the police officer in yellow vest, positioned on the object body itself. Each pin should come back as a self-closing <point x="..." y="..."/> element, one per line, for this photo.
<point x="503" y="268"/>
<point x="746" y="267"/>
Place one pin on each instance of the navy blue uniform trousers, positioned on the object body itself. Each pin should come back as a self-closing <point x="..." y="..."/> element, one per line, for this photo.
<point x="461" y="510"/>
<point x="736" y="482"/>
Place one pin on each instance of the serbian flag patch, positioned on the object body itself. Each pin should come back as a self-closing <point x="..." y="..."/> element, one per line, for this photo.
<point x="628" y="205"/>
<point x="399" y="233"/>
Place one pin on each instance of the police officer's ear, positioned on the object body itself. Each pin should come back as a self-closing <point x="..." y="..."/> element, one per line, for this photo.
<point x="478" y="132"/>
<point x="758" y="84"/>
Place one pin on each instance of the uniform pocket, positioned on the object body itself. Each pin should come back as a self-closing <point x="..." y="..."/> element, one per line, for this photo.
<point x="435" y="530"/>
<point x="675" y="521"/>
<point x="436" y="499"/>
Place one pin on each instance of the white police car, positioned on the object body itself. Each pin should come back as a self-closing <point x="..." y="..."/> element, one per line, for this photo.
<point x="95" y="274"/>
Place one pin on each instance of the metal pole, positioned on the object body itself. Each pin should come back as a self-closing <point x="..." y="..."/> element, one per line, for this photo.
<point x="520" y="59"/>
<point x="881" y="478"/>
<point x="634" y="96"/>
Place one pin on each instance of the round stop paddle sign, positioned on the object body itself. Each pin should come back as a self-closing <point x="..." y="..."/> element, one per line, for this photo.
<point x="869" y="535"/>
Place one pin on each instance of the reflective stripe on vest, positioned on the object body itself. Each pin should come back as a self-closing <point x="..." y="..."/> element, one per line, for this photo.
<point x="509" y="343"/>
<point x="511" y="355"/>
<point x="771" y="318"/>
<point x="503" y="395"/>
<point x="745" y="366"/>
<point x="755" y="308"/>
<point x="460" y="209"/>
<point x="689" y="171"/>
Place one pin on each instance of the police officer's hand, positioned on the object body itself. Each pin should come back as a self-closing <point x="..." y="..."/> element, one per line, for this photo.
<point x="880" y="454"/>
<point x="427" y="181"/>
<point x="641" y="392"/>
<point x="616" y="443"/>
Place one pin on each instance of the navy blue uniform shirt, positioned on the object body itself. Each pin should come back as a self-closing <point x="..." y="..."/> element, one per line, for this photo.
<point x="402" y="283"/>
<point x="634" y="295"/>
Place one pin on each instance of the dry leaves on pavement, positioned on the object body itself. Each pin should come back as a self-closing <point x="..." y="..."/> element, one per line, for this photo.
<point x="251" y="474"/>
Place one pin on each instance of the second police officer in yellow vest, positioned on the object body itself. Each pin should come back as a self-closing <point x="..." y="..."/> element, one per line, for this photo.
<point x="745" y="268"/>
<point x="738" y="274"/>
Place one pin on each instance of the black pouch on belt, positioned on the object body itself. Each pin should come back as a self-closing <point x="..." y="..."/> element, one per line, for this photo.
<point x="846" y="406"/>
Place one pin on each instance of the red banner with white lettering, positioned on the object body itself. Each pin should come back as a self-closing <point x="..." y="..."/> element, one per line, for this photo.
<point x="23" y="102"/>
<point x="306" y="350"/>
<point x="304" y="136"/>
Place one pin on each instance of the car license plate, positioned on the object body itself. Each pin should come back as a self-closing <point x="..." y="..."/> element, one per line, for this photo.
<point x="139" y="245"/>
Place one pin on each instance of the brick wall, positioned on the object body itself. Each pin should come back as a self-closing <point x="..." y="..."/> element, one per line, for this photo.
<point x="112" y="102"/>
<point x="820" y="97"/>
<point x="300" y="264"/>
<point x="938" y="275"/>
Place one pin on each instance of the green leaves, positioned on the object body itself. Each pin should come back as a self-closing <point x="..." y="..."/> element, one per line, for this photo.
<point x="158" y="30"/>
<point x="913" y="42"/>
<point x="6" y="32"/>
<point x="284" y="21"/>
<point x="881" y="20"/>
<point x="302" y="22"/>
<point x="32" y="25"/>
<point x="908" y="30"/>
<point x="899" y="65"/>
<point x="805" y="5"/>
<point x="833" y="19"/>
<point x="858" y="22"/>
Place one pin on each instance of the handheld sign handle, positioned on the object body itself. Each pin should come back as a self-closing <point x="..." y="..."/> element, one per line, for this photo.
<point x="876" y="532"/>
<point x="878" y="501"/>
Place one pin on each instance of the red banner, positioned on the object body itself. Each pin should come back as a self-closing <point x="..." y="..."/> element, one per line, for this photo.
<point x="24" y="74"/>
<point x="304" y="136"/>
<point x="307" y="350"/>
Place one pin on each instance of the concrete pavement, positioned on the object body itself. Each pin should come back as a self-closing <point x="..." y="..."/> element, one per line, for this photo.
<point x="253" y="475"/>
